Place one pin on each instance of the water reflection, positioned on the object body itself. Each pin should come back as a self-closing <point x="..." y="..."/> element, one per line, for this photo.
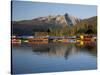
<point x="90" y="47"/>
<point x="65" y="50"/>
<point x="53" y="57"/>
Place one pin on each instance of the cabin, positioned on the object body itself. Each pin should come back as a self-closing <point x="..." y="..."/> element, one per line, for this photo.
<point x="40" y="37"/>
<point x="41" y="34"/>
<point x="38" y="41"/>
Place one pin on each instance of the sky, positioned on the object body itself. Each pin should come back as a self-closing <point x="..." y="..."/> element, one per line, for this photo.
<point x="25" y="10"/>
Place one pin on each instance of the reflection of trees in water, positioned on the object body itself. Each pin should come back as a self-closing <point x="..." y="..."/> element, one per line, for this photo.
<point x="63" y="50"/>
<point x="91" y="48"/>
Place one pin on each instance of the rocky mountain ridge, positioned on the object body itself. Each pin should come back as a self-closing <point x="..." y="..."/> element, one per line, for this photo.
<point x="28" y="27"/>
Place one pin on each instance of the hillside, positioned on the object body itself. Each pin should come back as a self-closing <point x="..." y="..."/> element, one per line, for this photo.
<point x="60" y="25"/>
<point x="86" y="24"/>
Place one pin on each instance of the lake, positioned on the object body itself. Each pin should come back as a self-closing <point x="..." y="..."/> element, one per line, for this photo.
<point x="53" y="58"/>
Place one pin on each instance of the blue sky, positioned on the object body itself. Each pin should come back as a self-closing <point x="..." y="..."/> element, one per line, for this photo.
<point x="24" y="10"/>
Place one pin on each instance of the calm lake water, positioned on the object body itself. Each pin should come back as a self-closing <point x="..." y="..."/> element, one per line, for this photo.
<point x="53" y="58"/>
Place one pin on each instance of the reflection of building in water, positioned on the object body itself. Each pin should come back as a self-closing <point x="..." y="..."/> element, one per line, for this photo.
<point x="55" y="50"/>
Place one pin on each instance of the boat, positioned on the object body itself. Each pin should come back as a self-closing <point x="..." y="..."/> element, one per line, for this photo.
<point x="16" y="41"/>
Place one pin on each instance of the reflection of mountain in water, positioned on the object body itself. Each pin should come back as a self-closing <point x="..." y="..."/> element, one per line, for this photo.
<point x="63" y="50"/>
<point x="54" y="50"/>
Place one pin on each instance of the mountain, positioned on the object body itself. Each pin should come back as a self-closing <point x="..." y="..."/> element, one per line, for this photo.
<point x="59" y="24"/>
<point x="71" y="20"/>
<point x="26" y="27"/>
